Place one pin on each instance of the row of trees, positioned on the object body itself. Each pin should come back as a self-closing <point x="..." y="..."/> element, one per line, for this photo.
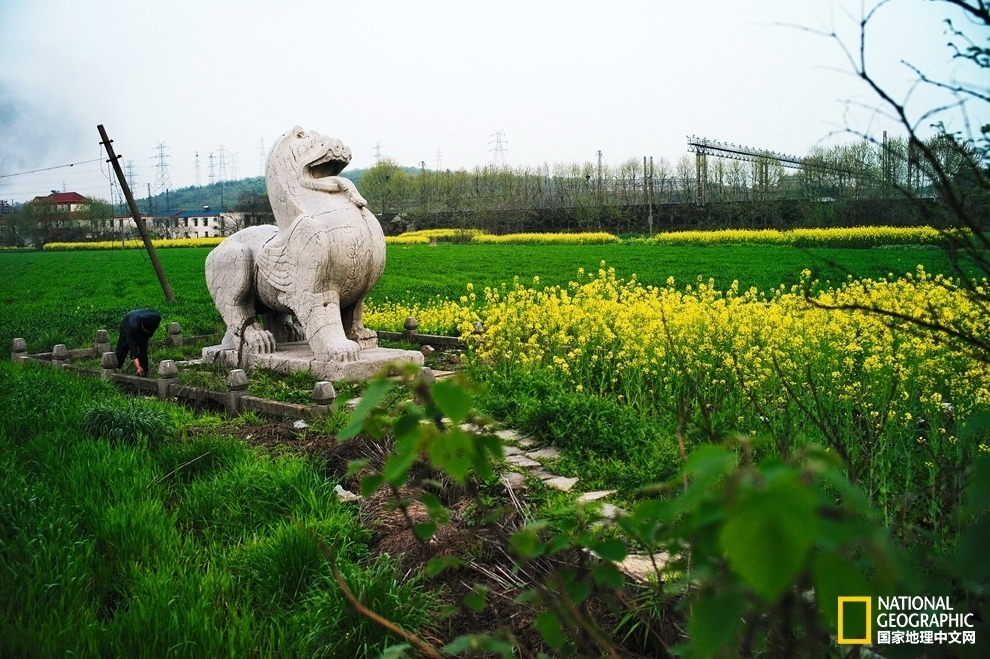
<point x="593" y="194"/>
<point x="42" y="221"/>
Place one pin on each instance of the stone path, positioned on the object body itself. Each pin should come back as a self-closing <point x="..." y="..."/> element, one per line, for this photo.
<point x="526" y="461"/>
<point x="520" y="454"/>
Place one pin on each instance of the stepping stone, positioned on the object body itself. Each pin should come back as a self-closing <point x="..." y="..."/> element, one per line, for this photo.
<point x="640" y="567"/>
<point x="443" y="375"/>
<point x="610" y="511"/>
<point x="522" y="461"/>
<point x="353" y="403"/>
<point x="525" y="442"/>
<point x="511" y="450"/>
<point x="562" y="483"/>
<point x="507" y="435"/>
<point x="345" y="495"/>
<point x="514" y="480"/>
<point x="542" y="474"/>
<point x="544" y="453"/>
<point x="594" y="496"/>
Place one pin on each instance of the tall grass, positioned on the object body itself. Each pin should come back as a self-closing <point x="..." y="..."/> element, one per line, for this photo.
<point x="191" y="547"/>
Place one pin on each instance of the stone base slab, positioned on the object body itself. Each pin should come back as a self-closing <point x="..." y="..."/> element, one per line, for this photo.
<point x="294" y="357"/>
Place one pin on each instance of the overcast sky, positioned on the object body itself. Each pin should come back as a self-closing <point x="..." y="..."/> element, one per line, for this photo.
<point x="430" y="81"/>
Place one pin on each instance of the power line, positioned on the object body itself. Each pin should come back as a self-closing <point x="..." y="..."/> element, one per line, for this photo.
<point x="48" y="169"/>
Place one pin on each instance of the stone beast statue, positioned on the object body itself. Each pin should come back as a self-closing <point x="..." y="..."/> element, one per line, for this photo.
<point x="326" y="252"/>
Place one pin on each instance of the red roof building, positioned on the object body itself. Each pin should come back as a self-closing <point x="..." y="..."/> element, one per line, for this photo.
<point x="69" y="201"/>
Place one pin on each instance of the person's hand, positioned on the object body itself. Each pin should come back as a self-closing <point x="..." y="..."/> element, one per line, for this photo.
<point x="137" y="367"/>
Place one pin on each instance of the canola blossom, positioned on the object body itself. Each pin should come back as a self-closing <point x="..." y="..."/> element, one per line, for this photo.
<point x="889" y="400"/>
<point x="856" y="237"/>
<point x="475" y="236"/>
<point x="589" y="238"/>
<point x="425" y="236"/>
<point x="161" y="243"/>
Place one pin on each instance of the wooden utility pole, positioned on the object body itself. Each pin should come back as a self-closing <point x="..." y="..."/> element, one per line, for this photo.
<point x="136" y="214"/>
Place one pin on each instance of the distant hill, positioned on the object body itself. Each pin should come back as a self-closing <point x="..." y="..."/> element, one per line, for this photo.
<point x="221" y="195"/>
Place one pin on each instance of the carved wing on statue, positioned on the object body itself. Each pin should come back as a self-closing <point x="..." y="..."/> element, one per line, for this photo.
<point x="275" y="261"/>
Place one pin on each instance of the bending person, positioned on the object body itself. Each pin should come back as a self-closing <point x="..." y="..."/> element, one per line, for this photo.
<point x="136" y="329"/>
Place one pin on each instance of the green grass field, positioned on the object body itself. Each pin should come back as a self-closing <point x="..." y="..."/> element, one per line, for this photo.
<point x="133" y="527"/>
<point x="63" y="297"/>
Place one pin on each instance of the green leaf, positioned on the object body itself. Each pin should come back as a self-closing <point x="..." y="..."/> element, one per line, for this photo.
<point x="453" y="452"/>
<point x="768" y="534"/>
<point x="835" y="576"/>
<point x="452" y="399"/>
<point x="714" y="619"/>
<point x="407" y="425"/>
<point x="611" y="550"/>
<point x="354" y="466"/>
<point x="370" y="484"/>
<point x="437" y="565"/>
<point x="608" y="574"/>
<point x="707" y="463"/>
<point x="526" y="543"/>
<point x="425" y="530"/>
<point x="476" y="600"/>
<point x="395" y="651"/>
<point x="971" y="552"/>
<point x="549" y="627"/>
<point x="397" y="467"/>
<point x="372" y="396"/>
<point x="978" y="489"/>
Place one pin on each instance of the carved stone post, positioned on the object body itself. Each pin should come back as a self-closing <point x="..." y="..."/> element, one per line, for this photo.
<point x="426" y="375"/>
<point x="18" y="350"/>
<point x="108" y="363"/>
<point x="167" y="372"/>
<point x="102" y="342"/>
<point x="237" y="382"/>
<point x="323" y="397"/>
<point x="175" y="335"/>
<point x="410" y="328"/>
<point x="60" y="355"/>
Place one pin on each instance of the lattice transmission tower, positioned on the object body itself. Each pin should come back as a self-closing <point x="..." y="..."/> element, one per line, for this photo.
<point x="162" y="180"/>
<point x="498" y="151"/>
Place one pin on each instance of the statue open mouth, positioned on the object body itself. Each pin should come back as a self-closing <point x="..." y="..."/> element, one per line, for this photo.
<point x="328" y="164"/>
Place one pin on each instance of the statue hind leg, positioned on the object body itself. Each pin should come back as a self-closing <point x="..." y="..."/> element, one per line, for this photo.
<point x="230" y="280"/>
<point x="354" y="328"/>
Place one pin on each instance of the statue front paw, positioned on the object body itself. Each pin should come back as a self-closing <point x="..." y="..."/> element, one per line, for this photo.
<point x="338" y="351"/>
<point x="258" y="340"/>
<point x="296" y="332"/>
<point x="358" y="200"/>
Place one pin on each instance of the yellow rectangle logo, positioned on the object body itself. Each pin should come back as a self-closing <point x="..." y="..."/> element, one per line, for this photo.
<point x="853" y="621"/>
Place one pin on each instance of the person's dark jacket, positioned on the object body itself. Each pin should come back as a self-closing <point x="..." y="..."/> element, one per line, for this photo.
<point x="136" y="329"/>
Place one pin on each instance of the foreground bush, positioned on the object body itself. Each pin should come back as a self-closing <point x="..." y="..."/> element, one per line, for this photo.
<point x="753" y="553"/>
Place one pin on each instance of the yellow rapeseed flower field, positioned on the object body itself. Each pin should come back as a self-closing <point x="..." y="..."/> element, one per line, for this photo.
<point x="777" y="363"/>
<point x="870" y="236"/>
<point x="162" y="243"/>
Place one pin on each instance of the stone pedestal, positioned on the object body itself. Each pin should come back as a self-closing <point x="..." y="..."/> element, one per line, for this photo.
<point x="298" y="356"/>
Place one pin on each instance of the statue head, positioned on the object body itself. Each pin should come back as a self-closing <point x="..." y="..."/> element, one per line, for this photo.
<point x="302" y="159"/>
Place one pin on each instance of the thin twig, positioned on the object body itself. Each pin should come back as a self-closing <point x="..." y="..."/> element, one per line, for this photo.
<point x="184" y="464"/>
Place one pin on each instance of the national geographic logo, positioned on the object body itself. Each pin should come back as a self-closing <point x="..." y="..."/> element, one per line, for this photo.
<point x="855" y="616"/>
<point x="903" y="620"/>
